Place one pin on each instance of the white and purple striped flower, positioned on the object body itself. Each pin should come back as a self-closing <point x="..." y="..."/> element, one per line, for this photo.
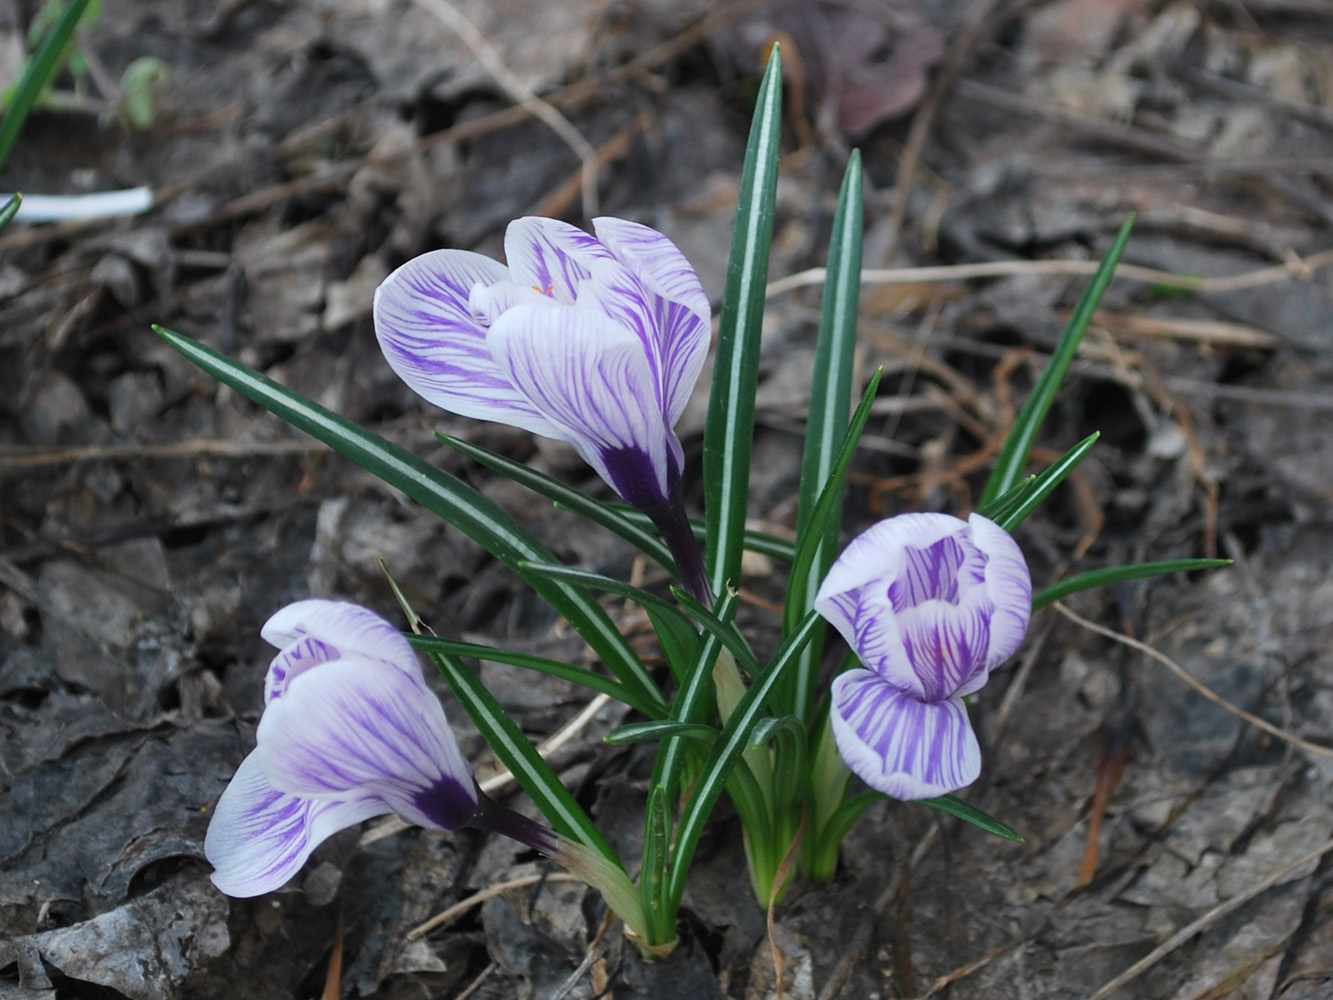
<point x="931" y="604"/>
<point x="593" y="341"/>
<point x="349" y="731"/>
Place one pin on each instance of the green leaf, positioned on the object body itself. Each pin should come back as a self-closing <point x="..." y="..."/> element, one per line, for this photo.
<point x="649" y="732"/>
<point x="727" y="752"/>
<point x="955" y="806"/>
<point x="9" y="210"/>
<point x="656" y="858"/>
<point x="690" y="608"/>
<point x="609" y="516"/>
<point x="826" y="425"/>
<point x="761" y="542"/>
<point x="542" y="665"/>
<point x="1121" y="574"/>
<point x="1044" y="484"/>
<point x="38" y="74"/>
<point x="1013" y="456"/>
<point x="807" y="546"/>
<point x="791" y="771"/>
<point x="445" y="495"/>
<point x="729" y="432"/>
<point x="693" y="700"/>
<point x="509" y="743"/>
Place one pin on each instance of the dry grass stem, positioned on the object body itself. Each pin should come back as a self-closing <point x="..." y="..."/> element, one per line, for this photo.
<point x="1206" y="921"/>
<point x="1296" y="268"/>
<point x="477" y="898"/>
<point x="1198" y="687"/>
<point x="454" y="19"/>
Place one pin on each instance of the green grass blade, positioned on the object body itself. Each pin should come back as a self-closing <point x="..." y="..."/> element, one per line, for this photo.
<point x="957" y="807"/>
<point x="826" y="425"/>
<point x="542" y="665"/>
<point x="649" y="732"/>
<point x="729" y="433"/>
<point x="504" y="737"/>
<point x="1044" y="484"/>
<point x="1121" y="574"/>
<point x="608" y="516"/>
<point x="436" y="490"/>
<point x="533" y="774"/>
<point x="1013" y="455"/>
<point x="735" y="739"/>
<point x="694" y="700"/>
<point x="781" y="549"/>
<point x="40" y="71"/>
<point x="10" y="209"/>
<point x="690" y="609"/>
<point x="807" y="546"/>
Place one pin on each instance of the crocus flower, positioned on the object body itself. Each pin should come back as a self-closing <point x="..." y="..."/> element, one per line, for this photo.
<point x="593" y="341"/>
<point x="931" y="604"/>
<point x="349" y="731"/>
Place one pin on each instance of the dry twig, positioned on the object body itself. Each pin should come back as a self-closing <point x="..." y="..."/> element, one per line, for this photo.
<point x="1197" y="686"/>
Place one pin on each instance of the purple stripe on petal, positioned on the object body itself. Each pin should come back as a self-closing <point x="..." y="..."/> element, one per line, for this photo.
<point x="551" y="256"/>
<point x="903" y="747"/>
<point x="362" y="727"/>
<point x="946" y="644"/>
<point x="259" y="837"/>
<point x="865" y="619"/>
<point x="317" y="631"/>
<point x="878" y="552"/>
<point x="435" y="343"/>
<point x="656" y="261"/>
<point x="680" y="308"/>
<point x="1008" y="584"/>
<point x="590" y="378"/>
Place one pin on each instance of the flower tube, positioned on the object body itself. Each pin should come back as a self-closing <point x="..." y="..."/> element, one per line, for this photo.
<point x="596" y="342"/>
<point x="349" y="731"/>
<point x="931" y="604"/>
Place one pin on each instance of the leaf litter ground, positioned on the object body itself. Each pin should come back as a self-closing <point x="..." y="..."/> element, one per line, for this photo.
<point x="151" y="520"/>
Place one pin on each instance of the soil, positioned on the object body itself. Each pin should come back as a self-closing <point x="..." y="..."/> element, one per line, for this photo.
<point x="150" y="520"/>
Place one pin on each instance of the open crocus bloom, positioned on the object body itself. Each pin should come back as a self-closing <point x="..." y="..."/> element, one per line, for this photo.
<point x="349" y="731"/>
<point x="596" y="342"/>
<point x="593" y="341"/>
<point x="931" y="604"/>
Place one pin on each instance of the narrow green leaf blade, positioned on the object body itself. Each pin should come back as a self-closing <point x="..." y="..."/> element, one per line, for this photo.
<point x="445" y="495"/>
<point x="1121" y="574"/>
<point x="826" y="425"/>
<point x="1045" y="483"/>
<point x="807" y="546"/>
<point x="606" y="515"/>
<point x="761" y="542"/>
<point x="10" y="210"/>
<point x="955" y="806"/>
<point x="729" y="433"/>
<point x="1013" y="455"/>
<point x="39" y="73"/>
<point x="649" y="732"/>
<point x="727" y="751"/>
<point x="539" y="664"/>
<point x="517" y="753"/>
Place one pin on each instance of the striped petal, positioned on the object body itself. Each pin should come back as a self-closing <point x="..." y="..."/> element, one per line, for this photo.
<point x="436" y="343"/>
<point x="589" y="377"/>
<point x="259" y="837"/>
<point x="312" y="632"/>
<point x="551" y="256"/>
<point x="680" y="310"/>
<point x="896" y="744"/>
<point x="1009" y="587"/>
<point x="360" y="727"/>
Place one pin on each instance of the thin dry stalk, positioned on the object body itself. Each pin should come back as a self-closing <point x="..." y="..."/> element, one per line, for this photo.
<point x="1197" y="686"/>
<point x="1206" y="921"/>
<point x="523" y="95"/>
<point x="477" y="898"/>
<point x="1297" y="268"/>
